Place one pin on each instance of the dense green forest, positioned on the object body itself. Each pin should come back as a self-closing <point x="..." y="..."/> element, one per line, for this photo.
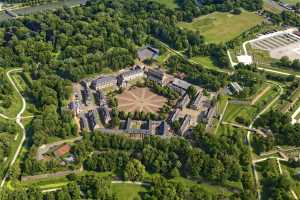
<point x="93" y="187"/>
<point x="56" y="48"/>
<point x="5" y="90"/>
<point x="280" y="124"/>
<point x="65" y="45"/>
<point x="214" y="159"/>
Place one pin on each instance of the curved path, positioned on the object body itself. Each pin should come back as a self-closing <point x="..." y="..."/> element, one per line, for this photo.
<point x="249" y="132"/>
<point x="18" y="121"/>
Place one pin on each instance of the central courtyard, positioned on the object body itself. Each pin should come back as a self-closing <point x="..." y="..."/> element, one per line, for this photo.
<point x="140" y="99"/>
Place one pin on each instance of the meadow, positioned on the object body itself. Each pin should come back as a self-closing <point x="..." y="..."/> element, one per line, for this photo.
<point x="221" y="27"/>
<point x="169" y="3"/>
<point x="290" y="1"/>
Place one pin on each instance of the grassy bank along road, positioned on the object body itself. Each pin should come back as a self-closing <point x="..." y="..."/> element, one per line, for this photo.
<point x="18" y="121"/>
<point x="249" y="132"/>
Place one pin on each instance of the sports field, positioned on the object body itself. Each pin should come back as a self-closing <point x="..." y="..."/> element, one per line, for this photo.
<point x="221" y="27"/>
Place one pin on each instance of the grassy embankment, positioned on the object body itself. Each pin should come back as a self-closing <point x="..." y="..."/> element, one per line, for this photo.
<point x="247" y="111"/>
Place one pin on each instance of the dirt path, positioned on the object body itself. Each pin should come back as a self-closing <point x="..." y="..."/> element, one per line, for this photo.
<point x="260" y="95"/>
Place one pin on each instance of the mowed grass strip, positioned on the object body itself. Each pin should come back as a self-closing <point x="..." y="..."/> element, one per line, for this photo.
<point x="221" y="27"/>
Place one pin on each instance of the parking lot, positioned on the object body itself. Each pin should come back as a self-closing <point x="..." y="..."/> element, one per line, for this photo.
<point x="279" y="45"/>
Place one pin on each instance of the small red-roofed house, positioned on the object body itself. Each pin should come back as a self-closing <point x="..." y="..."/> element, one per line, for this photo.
<point x="63" y="150"/>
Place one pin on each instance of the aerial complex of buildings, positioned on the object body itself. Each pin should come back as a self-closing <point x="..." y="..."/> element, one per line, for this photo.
<point x="93" y="112"/>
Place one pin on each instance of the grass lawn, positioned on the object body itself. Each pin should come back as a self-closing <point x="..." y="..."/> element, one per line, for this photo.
<point x="271" y="8"/>
<point x="23" y="86"/>
<point x="126" y="191"/>
<point x="267" y="97"/>
<point x="212" y="189"/>
<point x="234" y="110"/>
<point x="221" y="27"/>
<point x="54" y="185"/>
<point x="205" y="61"/>
<point x="290" y="1"/>
<point x="164" y="57"/>
<point x="16" y="106"/>
<point x="228" y="129"/>
<point x="169" y="3"/>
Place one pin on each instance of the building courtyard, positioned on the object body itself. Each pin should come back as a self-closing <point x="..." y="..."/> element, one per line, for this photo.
<point x="140" y="99"/>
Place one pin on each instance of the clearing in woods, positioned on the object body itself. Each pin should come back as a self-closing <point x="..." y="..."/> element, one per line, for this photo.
<point x="221" y="27"/>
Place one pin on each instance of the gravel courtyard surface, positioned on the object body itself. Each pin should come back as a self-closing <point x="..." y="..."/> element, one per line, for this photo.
<point x="140" y="99"/>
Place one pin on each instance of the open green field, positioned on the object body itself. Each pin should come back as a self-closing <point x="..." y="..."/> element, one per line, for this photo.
<point x="205" y="61"/>
<point x="164" y="57"/>
<point x="228" y="130"/>
<point x="268" y="6"/>
<point x="213" y="189"/>
<point x="239" y="110"/>
<point x="248" y="111"/>
<point x="221" y="27"/>
<point x="169" y="3"/>
<point x="290" y="1"/>
<point x="125" y="191"/>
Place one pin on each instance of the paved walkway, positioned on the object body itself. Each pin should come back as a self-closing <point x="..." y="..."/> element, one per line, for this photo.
<point x="18" y="121"/>
<point x="249" y="140"/>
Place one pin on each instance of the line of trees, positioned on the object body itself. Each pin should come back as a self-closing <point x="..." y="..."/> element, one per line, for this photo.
<point x="285" y="62"/>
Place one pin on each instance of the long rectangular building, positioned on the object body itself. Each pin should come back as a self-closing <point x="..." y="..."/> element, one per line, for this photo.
<point x="184" y="101"/>
<point x="104" y="82"/>
<point x="104" y="112"/>
<point x="185" y="124"/>
<point x="179" y="85"/>
<point x="157" y="75"/>
<point x="92" y="119"/>
<point x="132" y="74"/>
<point x="197" y="102"/>
<point x="100" y="98"/>
<point x="235" y="87"/>
<point x="174" y="115"/>
<point x="83" y="123"/>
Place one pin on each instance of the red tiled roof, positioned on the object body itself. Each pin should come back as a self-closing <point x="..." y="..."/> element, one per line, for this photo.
<point x="62" y="150"/>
